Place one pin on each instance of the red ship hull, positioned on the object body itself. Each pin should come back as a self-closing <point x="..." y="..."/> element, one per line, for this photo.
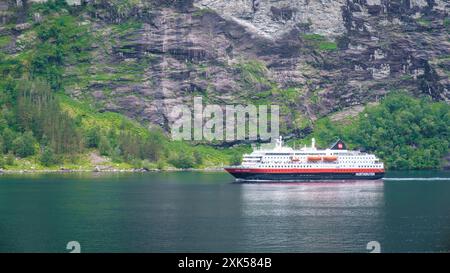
<point x="295" y="175"/>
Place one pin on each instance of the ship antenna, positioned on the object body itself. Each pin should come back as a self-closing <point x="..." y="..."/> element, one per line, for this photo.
<point x="279" y="143"/>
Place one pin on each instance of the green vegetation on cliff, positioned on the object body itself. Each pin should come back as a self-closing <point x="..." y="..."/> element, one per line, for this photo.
<point x="320" y="42"/>
<point x="407" y="133"/>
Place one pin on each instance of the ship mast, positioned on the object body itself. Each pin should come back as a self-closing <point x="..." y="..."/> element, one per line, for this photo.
<point x="279" y="143"/>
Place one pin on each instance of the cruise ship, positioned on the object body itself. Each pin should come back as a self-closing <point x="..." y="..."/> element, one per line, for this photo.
<point x="285" y="164"/>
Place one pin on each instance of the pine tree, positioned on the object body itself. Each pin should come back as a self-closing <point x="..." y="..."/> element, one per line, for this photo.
<point x="47" y="157"/>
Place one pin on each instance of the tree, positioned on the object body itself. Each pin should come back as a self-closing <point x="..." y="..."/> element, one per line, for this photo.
<point x="24" y="145"/>
<point x="3" y="123"/>
<point x="38" y="110"/>
<point x="10" y="159"/>
<point x="116" y="155"/>
<point x="160" y="165"/>
<point x="2" y="162"/>
<point x="137" y="163"/>
<point x="93" y="137"/>
<point x="8" y="137"/>
<point x="198" y="158"/>
<point x="103" y="146"/>
<point x="44" y="141"/>
<point x="47" y="157"/>
<point x="182" y="161"/>
<point x="153" y="147"/>
<point x="236" y="159"/>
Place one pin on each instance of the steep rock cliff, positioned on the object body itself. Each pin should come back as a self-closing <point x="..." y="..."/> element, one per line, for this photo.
<point x="314" y="58"/>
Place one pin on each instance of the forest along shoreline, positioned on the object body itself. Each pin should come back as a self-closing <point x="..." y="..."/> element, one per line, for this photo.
<point x="110" y="170"/>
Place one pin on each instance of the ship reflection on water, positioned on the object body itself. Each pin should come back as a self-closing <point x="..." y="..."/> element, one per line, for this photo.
<point x="314" y="217"/>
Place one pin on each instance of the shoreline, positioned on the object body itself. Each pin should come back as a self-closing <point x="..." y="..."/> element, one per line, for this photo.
<point x="62" y="171"/>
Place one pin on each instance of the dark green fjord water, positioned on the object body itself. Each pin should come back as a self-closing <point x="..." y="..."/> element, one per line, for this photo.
<point x="205" y="212"/>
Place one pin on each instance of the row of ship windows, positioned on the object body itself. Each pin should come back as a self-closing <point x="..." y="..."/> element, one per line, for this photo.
<point x="340" y="161"/>
<point x="303" y="154"/>
<point x="337" y="171"/>
<point x="349" y="161"/>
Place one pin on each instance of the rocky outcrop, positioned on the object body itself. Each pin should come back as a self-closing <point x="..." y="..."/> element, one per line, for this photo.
<point x="273" y="19"/>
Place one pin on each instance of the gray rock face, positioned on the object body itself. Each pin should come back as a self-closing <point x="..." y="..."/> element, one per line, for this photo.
<point x="381" y="46"/>
<point x="273" y="19"/>
<point x="313" y="58"/>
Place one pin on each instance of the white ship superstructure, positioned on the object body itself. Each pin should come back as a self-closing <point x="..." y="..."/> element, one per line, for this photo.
<point x="308" y="163"/>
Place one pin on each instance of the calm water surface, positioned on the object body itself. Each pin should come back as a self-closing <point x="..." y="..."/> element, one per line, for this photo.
<point x="205" y="212"/>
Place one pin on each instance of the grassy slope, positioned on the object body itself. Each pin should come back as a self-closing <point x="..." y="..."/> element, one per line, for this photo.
<point x="212" y="157"/>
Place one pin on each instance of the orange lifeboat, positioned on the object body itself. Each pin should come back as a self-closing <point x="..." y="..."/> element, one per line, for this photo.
<point x="314" y="158"/>
<point x="330" y="158"/>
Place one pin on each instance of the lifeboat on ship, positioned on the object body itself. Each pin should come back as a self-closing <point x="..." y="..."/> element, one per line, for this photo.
<point x="314" y="158"/>
<point x="330" y="158"/>
<point x="295" y="158"/>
